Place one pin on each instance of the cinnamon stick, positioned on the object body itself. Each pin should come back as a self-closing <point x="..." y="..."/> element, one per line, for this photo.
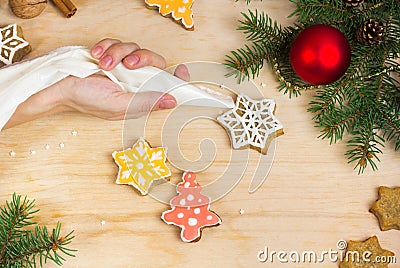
<point x="66" y="7"/>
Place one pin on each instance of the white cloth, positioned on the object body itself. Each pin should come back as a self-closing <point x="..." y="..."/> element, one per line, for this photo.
<point x="20" y="81"/>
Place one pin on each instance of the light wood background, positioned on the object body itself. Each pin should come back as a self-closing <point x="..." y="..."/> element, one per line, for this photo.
<point x="311" y="199"/>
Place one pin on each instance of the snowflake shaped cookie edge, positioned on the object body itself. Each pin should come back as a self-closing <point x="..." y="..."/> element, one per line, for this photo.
<point x="11" y="41"/>
<point x="166" y="10"/>
<point x="252" y="123"/>
<point x="150" y="165"/>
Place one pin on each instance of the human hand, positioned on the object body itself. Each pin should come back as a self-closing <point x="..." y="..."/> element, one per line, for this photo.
<point x="99" y="96"/>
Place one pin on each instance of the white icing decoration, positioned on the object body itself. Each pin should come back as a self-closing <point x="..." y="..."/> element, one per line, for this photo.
<point x="181" y="9"/>
<point x="251" y="122"/>
<point x="141" y="180"/>
<point x="182" y="202"/>
<point x="180" y="215"/>
<point x="190" y="197"/>
<point x="140" y="166"/>
<point x="187" y="184"/>
<point x="193" y="221"/>
<point x="209" y="217"/>
<point x="10" y="36"/>
<point x="200" y="200"/>
<point x="196" y="211"/>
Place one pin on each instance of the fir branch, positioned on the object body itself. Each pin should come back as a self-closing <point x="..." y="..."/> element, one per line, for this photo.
<point x="13" y="217"/>
<point x="260" y="27"/>
<point x="365" y="144"/>
<point x="370" y="85"/>
<point x="38" y="244"/>
<point x="246" y="62"/>
<point x="21" y="247"/>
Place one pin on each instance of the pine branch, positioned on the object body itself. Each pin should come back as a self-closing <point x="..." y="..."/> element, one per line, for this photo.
<point x="260" y="27"/>
<point x="38" y="244"/>
<point x="13" y="217"/>
<point x="370" y="85"/>
<point x="365" y="144"/>
<point x="247" y="61"/>
<point x="21" y="247"/>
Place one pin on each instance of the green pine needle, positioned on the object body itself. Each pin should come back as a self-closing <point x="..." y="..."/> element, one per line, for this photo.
<point x="364" y="104"/>
<point x="21" y="247"/>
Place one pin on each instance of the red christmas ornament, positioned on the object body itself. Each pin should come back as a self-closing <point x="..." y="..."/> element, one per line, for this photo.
<point x="320" y="54"/>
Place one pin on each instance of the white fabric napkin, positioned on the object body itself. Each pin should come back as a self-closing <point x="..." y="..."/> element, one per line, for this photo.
<point x="20" y="81"/>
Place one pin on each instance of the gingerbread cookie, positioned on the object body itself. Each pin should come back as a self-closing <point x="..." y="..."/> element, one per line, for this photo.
<point x="13" y="46"/>
<point x="190" y="209"/>
<point x="387" y="208"/>
<point x="180" y="10"/>
<point x="367" y="253"/>
<point x="141" y="165"/>
<point x="252" y="123"/>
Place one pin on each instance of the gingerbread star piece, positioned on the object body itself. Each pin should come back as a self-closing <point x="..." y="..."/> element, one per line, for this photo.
<point x="387" y="208"/>
<point x="367" y="253"/>
<point x="180" y="10"/>
<point x="252" y="123"/>
<point x="190" y="209"/>
<point x="13" y="47"/>
<point x="141" y="165"/>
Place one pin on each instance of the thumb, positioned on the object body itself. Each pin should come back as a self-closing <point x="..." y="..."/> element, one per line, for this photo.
<point x="143" y="103"/>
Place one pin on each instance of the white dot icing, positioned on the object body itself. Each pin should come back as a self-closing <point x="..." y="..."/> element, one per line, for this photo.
<point x="192" y="222"/>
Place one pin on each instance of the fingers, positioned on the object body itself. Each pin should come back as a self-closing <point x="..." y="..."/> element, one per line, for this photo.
<point x="110" y="52"/>
<point x="182" y="72"/>
<point x="144" y="102"/>
<point x="144" y="57"/>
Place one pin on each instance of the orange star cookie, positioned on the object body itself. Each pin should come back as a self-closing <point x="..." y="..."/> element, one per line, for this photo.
<point x="387" y="208"/>
<point x="367" y="253"/>
<point x="141" y="165"/>
<point x="180" y="10"/>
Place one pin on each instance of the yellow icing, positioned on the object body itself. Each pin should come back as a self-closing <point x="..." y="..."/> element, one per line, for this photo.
<point x="179" y="9"/>
<point x="140" y="165"/>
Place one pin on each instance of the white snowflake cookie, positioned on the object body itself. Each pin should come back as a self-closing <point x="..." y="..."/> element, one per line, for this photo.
<point x="252" y="123"/>
<point x="13" y="47"/>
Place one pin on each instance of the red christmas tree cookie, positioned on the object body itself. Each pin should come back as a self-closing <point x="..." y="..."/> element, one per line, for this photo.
<point x="190" y="209"/>
<point x="180" y="10"/>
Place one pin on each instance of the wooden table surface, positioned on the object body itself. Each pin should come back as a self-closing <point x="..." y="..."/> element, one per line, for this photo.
<point x="311" y="199"/>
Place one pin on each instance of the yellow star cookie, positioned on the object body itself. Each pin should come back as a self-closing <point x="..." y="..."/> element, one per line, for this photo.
<point x="387" y="208"/>
<point x="367" y="253"/>
<point x="140" y="165"/>
<point x="180" y="10"/>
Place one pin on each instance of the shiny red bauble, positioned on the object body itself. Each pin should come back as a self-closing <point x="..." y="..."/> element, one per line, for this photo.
<point x="320" y="54"/>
